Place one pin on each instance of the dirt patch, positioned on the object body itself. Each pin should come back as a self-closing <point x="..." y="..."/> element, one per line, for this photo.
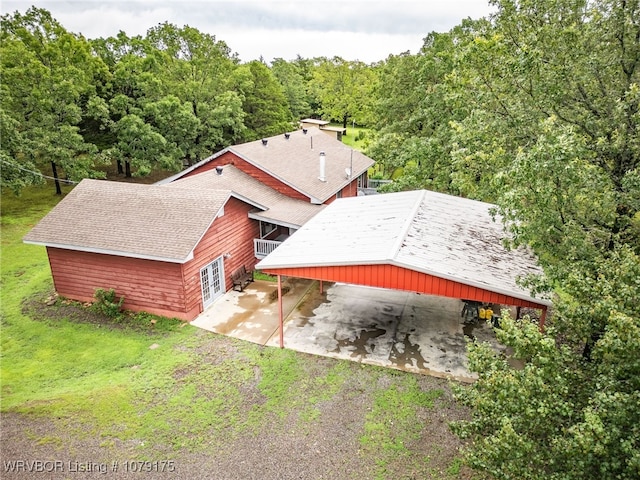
<point x="320" y="437"/>
<point x="318" y="440"/>
<point x="48" y="307"/>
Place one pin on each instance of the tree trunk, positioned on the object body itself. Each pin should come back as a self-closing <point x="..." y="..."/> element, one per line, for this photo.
<point x="120" y="170"/>
<point x="344" y="121"/>
<point x="127" y="167"/>
<point x="56" y="179"/>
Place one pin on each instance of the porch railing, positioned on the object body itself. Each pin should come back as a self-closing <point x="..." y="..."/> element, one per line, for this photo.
<point x="376" y="183"/>
<point x="262" y="248"/>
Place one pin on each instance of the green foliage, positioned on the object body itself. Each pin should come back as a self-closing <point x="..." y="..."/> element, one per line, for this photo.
<point x="48" y="78"/>
<point x="536" y="110"/>
<point x="263" y="101"/>
<point x="107" y="303"/>
<point x="357" y="138"/>
<point x="294" y="85"/>
<point x="258" y="275"/>
<point x="343" y="90"/>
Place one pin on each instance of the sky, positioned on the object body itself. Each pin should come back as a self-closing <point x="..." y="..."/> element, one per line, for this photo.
<point x="365" y="30"/>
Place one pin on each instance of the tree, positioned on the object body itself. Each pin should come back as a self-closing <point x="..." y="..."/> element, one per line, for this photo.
<point x="265" y="106"/>
<point x="49" y="78"/>
<point x="175" y="121"/>
<point x="143" y="148"/>
<point x="199" y="70"/>
<point x="294" y="86"/>
<point x="414" y="109"/>
<point x="343" y="89"/>
<point x="17" y="171"/>
<point x="552" y="137"/>
<point x="558" y="416"/>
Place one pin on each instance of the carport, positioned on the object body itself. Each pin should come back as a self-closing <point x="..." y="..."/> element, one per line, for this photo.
<point x="418" y="241"/>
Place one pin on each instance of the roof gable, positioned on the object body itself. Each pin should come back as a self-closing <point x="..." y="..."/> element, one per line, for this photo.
<point x="133" y="220"/>
<point x="276" y="207"/>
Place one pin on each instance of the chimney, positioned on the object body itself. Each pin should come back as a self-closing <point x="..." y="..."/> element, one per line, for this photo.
<point x="323" y="161"/>
<point x="219" y="170"/>
<point x="287" y="135"/>
<point x="264" y="142"/>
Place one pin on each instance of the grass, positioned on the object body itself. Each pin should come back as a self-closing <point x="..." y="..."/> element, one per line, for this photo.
<point x="356" y="137"/>
<point x="390" y="427"/>
<point x="258" y="275"/>
<point x="192" y="392"/>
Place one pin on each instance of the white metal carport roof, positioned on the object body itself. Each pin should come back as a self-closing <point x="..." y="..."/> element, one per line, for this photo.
<point x="419" y="241"/>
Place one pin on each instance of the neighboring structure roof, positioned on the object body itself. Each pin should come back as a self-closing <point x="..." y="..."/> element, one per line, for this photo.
<point x="440" y="235"/>
<point x="295" y="162"/>
<point x="314" y="121"/>
<point x="131" y="220"/>
<point x="334" y="129"/>
<point x="278" y="208"/>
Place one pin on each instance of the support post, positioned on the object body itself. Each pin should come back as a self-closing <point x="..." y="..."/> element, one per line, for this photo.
<point x="281" y="319"/>
<point x="543" y="317"/>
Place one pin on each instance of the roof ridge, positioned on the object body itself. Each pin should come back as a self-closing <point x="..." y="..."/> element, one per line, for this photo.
<point x="397" y="245"/>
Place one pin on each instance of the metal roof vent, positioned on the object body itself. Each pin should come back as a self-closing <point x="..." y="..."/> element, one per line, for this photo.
<point x="304" y="130"/>
<point x="219" y="170"/>
<point x="264" y="142"/>
<point x="323" y="159"/>
<point x="287" y="135"/>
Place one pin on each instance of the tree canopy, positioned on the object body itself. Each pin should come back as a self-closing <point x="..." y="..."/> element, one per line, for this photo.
<point x="536" y="109"/>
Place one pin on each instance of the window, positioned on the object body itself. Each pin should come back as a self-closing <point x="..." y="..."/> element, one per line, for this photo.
<point x="266" y="228"/>
<point x="339" y="194"/>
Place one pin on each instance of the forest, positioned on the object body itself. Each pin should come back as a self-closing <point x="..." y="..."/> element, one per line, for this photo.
<point x="535" y="109"/>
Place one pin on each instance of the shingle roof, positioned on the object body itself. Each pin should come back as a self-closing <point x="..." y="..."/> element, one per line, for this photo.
<point x="140" y="221"/>
<point x="442" y="235"/>
<point x="295" y="162"/>
<point x="279" y="208"/>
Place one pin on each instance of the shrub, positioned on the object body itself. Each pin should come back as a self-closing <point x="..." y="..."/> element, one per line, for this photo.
<point x="107" y="302"/>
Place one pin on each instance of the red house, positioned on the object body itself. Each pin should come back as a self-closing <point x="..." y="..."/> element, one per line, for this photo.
<point x="170" y="248"/>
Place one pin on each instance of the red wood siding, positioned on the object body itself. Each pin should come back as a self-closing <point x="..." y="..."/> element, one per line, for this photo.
<point x="350" y="190"/>
<point x="391" y="276"/>
<point x="152" y="286"/>
<point x="162" y="288"/>
<point x="263" y="177"/>
<point x="232" y="233"/>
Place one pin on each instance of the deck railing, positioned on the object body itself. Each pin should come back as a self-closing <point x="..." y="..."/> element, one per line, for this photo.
<point x="262" y="248"/>
<point x="376" y="183"/>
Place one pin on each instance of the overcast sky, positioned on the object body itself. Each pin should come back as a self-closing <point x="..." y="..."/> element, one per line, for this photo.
<point x="366" y="30"/>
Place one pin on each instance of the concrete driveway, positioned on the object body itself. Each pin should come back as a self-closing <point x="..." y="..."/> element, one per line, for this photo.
<point x="391" y="328"/>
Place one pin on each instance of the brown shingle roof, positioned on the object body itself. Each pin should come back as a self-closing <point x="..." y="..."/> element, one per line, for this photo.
<point x="141" y="221"/>
<point x="280" y="208"/>
<point x="295" y="161"/>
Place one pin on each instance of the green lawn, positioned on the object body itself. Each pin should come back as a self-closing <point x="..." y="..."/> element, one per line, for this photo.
<point x="170" y="387"/>
<point x="356" y="137"/>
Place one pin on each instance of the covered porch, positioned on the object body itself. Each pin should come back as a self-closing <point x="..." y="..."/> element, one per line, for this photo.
<point x="272" y="235"/>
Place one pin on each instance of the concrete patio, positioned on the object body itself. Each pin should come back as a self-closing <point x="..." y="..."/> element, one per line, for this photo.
<point x="391" y="328"/>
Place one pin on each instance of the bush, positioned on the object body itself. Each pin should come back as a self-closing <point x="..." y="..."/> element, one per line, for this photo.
<point x="107" y="303"/>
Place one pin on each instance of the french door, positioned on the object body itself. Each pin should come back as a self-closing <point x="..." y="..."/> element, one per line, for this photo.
<point x="212" y="281"/>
